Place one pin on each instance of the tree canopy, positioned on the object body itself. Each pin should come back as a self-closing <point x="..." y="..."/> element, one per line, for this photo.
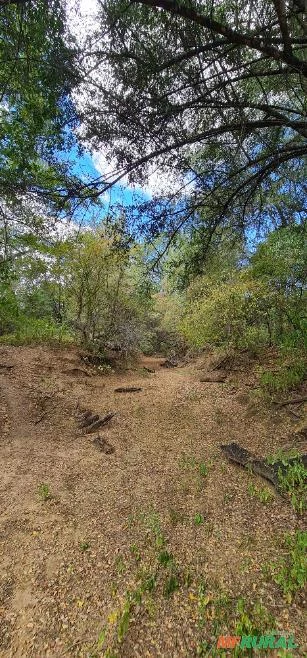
<point x="212" y="92"/>
<point x="211" y="95"/>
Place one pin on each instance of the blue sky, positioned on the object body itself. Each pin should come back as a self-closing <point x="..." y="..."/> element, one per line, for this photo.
<point x="84" y="167"/>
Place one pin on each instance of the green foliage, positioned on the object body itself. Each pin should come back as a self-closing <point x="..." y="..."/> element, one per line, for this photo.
<point x="165" y="558"/>
<point x="9" y="309"/>
<point x="171" y="585"/>
<point x="250" y="619"/>
<point x="203" y="469"/>
<point x="282" y="456"/>
<point x="293" y="482"/>
<point x="84" y="546"/>
<point x="162" y="335"/>
<point x="291" y="572"/>
<point x="255" y="306"/>
<point x="38" y="331"/>
<point x="36" y="77"/>
<point x="44" y="491"/>
<point x="198" y="519"/>
<point x="264" y="495"/>
<point x="231" y="313"/>
<point x="124" y="620"/>
<point x="291" y="372"/>
<point x="187" y="462"/>
<point x="292" y="477"/>
<point x="152" y="523"/>
<point x="84" y="288"/>
<point x="219" y="131"/>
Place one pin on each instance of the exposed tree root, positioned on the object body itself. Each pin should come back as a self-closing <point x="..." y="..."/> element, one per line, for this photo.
<point x="99" y="423"/>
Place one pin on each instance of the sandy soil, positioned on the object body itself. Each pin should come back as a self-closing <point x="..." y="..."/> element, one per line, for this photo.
<point x="76" y="552"/>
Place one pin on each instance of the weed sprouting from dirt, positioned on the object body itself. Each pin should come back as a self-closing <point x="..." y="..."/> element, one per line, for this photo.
<point x="152" y="524"/>
<point x="293" y="482"/>
<point x="44" y="491"/>
<point x="203" y="469"/>
<point x="186" y="462"/>
<point x="199" y="469"/>
<point x="165" y="558"/>
<point x="134" y="550"/>
<point x="120" y="564"/>
<point x="292" y="478"/>
<point x="282" y="456"/>
<point x="171" y="584"/>
<point x="290" y="573"/>
<point x="263" y="494"/>
<point x="198" y="519"/>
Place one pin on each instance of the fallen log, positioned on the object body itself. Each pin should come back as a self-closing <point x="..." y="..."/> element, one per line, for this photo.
<point x="89" y="420"/>
<point x="269" y="472"/>
<point x="99" y="423"/>
<point x="84" y="415"/>
<point x="128" y="389"/>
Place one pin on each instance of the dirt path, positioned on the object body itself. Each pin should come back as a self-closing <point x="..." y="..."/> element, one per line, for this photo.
<point x="146" y="551"/>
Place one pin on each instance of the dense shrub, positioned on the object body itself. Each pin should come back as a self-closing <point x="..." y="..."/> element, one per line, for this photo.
<point x="31" y="330"/>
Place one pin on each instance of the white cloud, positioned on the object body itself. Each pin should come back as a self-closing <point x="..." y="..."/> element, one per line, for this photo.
<point x="158" y="182"/>
<point x="82" y="16"/>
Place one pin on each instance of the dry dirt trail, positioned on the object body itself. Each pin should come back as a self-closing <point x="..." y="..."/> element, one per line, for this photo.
<point x="89" y="561"/>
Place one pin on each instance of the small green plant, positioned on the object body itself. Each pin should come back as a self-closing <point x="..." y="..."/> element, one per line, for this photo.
<point x="203" y="649"/>
<point x="264" y="494"/>
<point x="203" y="469"/>
<point x="293" y="482"/>
<point x="152" y="522"/>
<point x="120" y="564"/>
<point x="198" y="519"/>
<point x="203" y="599"/>
<point x="251" y="620"/>
<point x="101" y="639"/>
<point x="187" y="577"/>
<point x="124" y="620"/>
<point x="171" y="584"/>
<point x="282" y="456"/>
<point x="148" y="582"/>
<point x="165" y="558"/>
<point x="44" y="491"/>
<point x="187" y="462"/>
<point x="84" y="546"/>
<point x="200" y="469"/>
<point x="290" y="573"/>
<point x="135" y="552"/>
